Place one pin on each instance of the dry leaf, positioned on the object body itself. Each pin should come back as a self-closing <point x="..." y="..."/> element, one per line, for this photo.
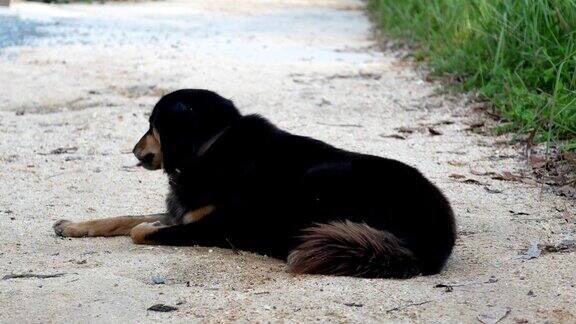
<point x="564" y="246"/>
<point x="440" y="123"/>
<point x="538" y="161"/>
<point x="162" y="308"/>
<point x="529" y="181"/>
<point x="457" y="163"/>
<point x="567" y="191"/>
<point x="507" y="176"/>
<point x="569" y="156"/>
<point x="478" y="173"/>
<point x="494" y="191"/>
<point x="433" y="132"/>
<point x="479" y="108"/>
<point x="472" y="181"/>
<point x="475" y="126"/>
<point x="405" y="130"/>
<point x="396" y="136"/>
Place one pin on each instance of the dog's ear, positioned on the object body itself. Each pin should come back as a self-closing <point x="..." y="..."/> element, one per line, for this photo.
<point x="184" y="132"/>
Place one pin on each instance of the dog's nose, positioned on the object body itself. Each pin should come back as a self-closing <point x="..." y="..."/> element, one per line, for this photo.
<point x="148" y="158"/>
<point x="143" y="159"/>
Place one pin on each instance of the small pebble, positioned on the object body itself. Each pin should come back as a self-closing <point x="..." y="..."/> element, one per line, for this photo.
<point x="158" y="280"/>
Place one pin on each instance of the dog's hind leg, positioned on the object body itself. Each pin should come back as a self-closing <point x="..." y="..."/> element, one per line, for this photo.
<point x="113" y="226"/>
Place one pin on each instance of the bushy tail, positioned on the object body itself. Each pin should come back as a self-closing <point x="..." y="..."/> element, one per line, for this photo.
<point x="346" y="248"/>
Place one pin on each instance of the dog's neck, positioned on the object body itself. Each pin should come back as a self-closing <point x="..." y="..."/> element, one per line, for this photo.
<point x="173" y="176"/>
<point x="206" y="146"/>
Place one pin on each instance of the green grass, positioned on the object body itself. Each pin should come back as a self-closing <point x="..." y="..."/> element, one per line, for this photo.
<point x="520" y="55"/>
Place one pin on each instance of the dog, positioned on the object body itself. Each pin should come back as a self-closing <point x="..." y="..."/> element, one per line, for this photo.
<point x="237" y="181"/>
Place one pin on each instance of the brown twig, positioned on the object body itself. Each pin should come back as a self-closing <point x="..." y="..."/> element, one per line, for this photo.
<point x="408" y="305"/>
<point x="32" y="275"/>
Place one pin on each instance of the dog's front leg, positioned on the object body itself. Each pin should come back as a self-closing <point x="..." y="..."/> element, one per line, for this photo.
<point x="205" y="230"/>
<point x="113" y="226"/>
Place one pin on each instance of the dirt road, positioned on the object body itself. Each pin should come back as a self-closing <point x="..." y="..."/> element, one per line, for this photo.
<point x="77" y="82"/>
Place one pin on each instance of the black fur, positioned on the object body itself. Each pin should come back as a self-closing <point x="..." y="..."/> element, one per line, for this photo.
<point x="279" y="194"/>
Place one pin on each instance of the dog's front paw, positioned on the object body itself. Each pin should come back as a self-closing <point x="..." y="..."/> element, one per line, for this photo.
<point x="66" y="228"/>
<point x="60" y="227"/>
<point x="140" y="232"/>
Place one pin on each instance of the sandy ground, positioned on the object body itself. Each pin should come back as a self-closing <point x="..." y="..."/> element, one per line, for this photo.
<point x="82" y="78"/>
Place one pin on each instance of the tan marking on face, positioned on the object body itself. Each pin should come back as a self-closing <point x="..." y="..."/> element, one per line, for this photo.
<point x="156" y="135"/>
<point x="150" y="144"/>
<point x="197" y="214"/>
<point x="113" y="226"/>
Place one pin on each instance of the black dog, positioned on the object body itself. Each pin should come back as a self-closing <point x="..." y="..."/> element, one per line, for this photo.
<point x="238" y="181"/>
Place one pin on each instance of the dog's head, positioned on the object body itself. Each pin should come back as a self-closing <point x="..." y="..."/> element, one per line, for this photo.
<point x="180" y="124"/>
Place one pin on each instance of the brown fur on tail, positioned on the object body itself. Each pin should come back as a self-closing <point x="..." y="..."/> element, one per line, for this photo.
<point x="352" y="249"/>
